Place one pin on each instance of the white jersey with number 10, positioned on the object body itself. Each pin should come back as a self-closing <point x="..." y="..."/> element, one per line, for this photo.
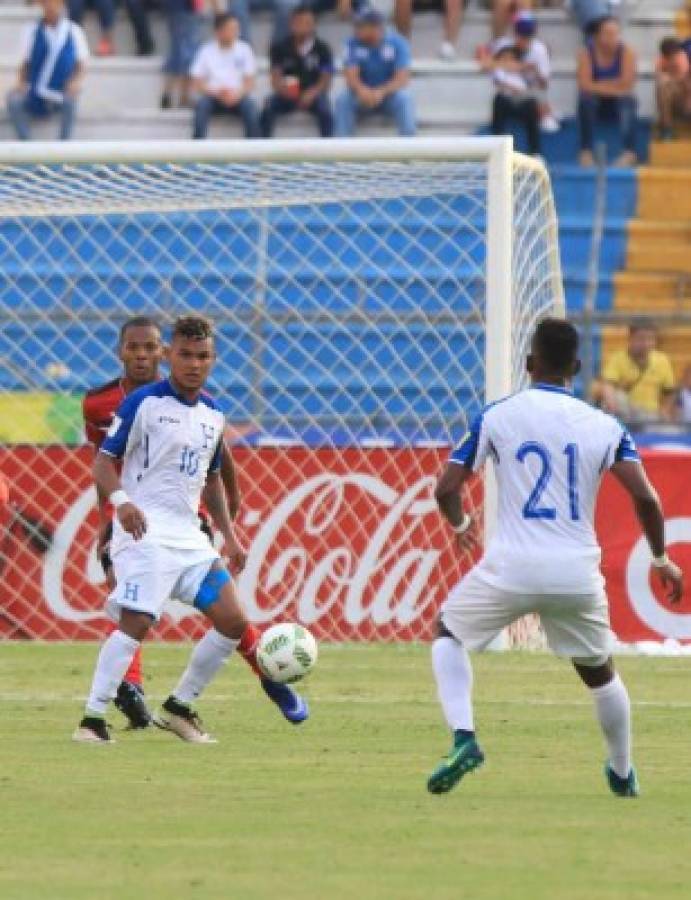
<point x="550" y="452"/>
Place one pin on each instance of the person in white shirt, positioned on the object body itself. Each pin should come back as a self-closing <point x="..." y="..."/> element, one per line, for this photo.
<point x="549" y="452"/>
<point x="223" y="76"/>
<point x="53" y="55"/>
<point x="513" y="99"/>
<point x="536" y="66"/>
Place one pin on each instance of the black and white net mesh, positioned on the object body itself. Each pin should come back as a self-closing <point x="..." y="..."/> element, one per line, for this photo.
<point x="349" y="304"/>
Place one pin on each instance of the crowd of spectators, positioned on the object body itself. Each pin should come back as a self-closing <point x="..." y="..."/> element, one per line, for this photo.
<point x="218" y="77"/>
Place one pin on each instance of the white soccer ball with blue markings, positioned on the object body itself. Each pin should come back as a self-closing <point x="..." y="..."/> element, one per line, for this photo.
<point x="287" y="652"/>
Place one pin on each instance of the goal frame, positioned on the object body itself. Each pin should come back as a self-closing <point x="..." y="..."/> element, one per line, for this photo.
<point x="496" y="152"/>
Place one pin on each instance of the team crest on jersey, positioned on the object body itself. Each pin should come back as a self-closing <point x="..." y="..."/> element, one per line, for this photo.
<point x="208" y="433"/>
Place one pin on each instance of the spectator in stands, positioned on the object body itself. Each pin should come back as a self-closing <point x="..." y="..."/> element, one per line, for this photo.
<point x="589" y="13"/>
<point x="138" y="11"/>
<point x="282" y="9"/>
<point x="606" y="81"/>
<point x="184" y="19"/>
<point x="54" y="52"/>
<point x="377" y="74"/>
<point x="638" y="382"/>
<point x="684" y="398"/>
<point x="223" y="75"/>
<point x="301" y="73"/>
<point x="105" y="10"/>
<point x="536" y="66"/>
<point x="513" y="99"/>
<point x="673" y="86"/>
<point x="453" y="14"/>
<point x="503" y="14"/>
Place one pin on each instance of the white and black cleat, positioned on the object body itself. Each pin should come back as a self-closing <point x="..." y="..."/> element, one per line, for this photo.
<point x="183" y="721"/>
<point x="92" y="730"/>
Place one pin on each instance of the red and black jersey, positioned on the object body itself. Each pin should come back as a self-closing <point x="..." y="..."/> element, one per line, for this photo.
<point x="99" y="406"/>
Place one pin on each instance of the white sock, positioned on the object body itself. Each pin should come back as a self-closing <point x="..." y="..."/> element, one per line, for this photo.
<point x="207" y="658"/>
<point x="614" y="714"/>
<point x="113" y="661"/>
<point x="454" y="675"/>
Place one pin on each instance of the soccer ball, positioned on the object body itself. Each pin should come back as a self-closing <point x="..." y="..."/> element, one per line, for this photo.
<point x="286" y="652"/>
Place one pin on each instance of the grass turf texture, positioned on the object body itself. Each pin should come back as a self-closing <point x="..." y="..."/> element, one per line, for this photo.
<point x="338" y="808"/>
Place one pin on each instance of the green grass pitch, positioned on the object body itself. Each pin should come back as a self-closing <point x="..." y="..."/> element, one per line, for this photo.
<point x="337" y="809"/>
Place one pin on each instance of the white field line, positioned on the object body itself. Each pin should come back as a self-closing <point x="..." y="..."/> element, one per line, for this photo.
<point x="21" y="697"/>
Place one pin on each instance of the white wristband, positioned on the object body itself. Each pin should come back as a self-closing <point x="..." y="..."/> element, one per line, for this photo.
<point x="117" y="498"/>
<point x="464" y="524"/>
<point x="659" y="562"/>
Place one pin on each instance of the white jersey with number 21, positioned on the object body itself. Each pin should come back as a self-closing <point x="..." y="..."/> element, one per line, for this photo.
<point x="549" y="452"/>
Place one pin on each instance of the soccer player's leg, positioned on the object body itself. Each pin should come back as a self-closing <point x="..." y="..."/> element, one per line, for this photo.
<point x="144" y="582"/>
<point x="215" y="595"/>
<point x="578" y="628"/>
<point x="471" y="618"/>
<point x="130" y="698"/>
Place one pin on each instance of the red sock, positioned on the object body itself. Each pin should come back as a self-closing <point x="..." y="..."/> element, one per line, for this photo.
<point x="134" y="674"/>
<point x="248" y="648"/>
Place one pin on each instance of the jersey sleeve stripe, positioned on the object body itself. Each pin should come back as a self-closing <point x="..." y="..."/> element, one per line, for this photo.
<point x="626" y="451"/>
<point x="466" y="452"/>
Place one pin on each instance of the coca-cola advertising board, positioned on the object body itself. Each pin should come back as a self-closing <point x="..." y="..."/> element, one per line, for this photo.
<point x="347" y="541"/>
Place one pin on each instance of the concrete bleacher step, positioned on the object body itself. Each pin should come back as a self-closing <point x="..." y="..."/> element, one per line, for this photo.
<point x="664" y="194"/>
<point x="651" y="292"/>
<point x="659" y="232"/>
<point x="643" y="256"/>
<point x="671" y="153"/>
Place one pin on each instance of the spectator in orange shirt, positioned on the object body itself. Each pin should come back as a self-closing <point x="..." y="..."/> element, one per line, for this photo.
<point x="672" y="86"/>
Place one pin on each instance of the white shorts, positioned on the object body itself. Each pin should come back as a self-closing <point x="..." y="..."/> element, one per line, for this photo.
<point x="147" y="575"/>
<point x="575" y="625"/>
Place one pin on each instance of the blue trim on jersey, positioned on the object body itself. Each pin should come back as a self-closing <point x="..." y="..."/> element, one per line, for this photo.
<point x="215" y="464"/>
<point x="202" y="397"/>
<point x="552" y="388"/>
<point x="210" y="588"/>
<point x="626" y="451"/>
<point x="466" y="452"/>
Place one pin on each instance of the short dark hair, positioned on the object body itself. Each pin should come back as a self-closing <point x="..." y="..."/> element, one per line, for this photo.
<point x="195" y="328"/>
<point x="302" y="9"/>
<point x="137" y="322"/>
<point x="596" y="25"/>
<point x="220" y="19"/>
<point x="510" y="49"/>
<point x="670" y="45"/>
<point x="556" y="343"/>
<point x="641" y="324"/>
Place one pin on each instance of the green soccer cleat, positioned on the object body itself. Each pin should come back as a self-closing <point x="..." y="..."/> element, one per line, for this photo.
<point x="464" y="757"/>
<point x="622" y="787"/>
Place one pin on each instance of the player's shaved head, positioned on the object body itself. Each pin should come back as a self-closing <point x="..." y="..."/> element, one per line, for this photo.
<point x="554" y="350"/>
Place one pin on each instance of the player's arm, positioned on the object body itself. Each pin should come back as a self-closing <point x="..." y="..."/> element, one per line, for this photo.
<point x="632" y="477"/>
<point x="214" y="499"/>
<point x="107" y="481"/>
<point x="448" y="496"/>
<point x="230" y="482"/>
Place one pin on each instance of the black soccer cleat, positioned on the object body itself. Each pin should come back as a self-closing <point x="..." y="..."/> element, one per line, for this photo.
<point x="92" y="730"/>
<point x="131" y="703"/>
<point x="182" y="720"/>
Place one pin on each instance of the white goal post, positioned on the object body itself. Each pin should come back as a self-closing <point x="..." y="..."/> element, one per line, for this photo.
<point x="370" y="296"/>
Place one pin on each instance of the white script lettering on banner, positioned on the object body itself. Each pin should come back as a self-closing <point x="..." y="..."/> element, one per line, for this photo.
<point x="313" y="584"/>
<point x="646" y="605"/>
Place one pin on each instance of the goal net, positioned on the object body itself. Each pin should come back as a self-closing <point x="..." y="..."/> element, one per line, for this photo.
<point x="369" y="298"/>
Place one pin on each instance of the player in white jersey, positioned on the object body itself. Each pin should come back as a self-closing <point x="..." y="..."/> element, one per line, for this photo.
<point x="549" y="452"/>
<point x="168" y="435"/>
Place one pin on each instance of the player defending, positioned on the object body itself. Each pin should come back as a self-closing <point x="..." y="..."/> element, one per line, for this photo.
<point x="549" y="452"/>
<point x="169" y="436"/>
<point x="140" y="350"/>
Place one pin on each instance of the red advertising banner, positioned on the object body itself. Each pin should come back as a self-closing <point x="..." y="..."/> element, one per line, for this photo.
<point x="347" y="541"/>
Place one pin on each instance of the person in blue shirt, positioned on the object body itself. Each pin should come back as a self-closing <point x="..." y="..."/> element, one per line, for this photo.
<point x="377" y="74"/>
